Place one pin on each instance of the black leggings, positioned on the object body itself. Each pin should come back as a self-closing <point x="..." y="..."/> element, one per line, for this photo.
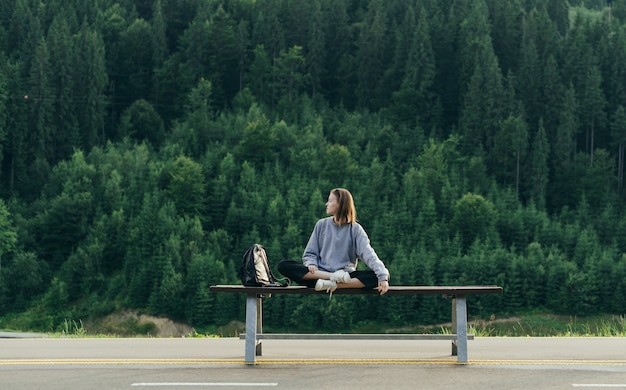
<point x="295" y="271"/>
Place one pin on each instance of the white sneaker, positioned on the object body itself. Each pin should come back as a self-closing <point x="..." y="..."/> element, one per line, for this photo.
<point x="326" y="285"/>
<point x="340" y="276"/>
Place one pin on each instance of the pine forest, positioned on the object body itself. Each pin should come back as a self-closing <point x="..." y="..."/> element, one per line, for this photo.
<point x="145" y="145"/>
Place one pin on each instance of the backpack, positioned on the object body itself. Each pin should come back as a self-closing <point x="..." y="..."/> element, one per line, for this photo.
<point x="255" y="270"/>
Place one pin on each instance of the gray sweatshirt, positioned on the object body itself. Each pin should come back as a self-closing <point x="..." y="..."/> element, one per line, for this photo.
<point x="332" y="247"/>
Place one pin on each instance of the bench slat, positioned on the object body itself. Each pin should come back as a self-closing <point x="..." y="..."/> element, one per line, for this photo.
<point x="393" y="290"/>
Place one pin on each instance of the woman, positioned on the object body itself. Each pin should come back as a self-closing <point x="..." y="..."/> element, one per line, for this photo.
<point x="331" y="255"/>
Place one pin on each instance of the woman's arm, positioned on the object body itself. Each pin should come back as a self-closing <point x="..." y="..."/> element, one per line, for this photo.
<point x="311" y="254"/>
<point x="366" y="253"/>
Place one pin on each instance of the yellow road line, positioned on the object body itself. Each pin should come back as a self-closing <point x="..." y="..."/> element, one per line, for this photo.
<point x="552" y="362"/>
<point x="447" y="362"/>
<point x="31" y="362"/>
<point x="9" y="362"/>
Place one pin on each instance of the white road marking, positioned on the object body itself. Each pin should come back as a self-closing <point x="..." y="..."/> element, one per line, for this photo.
<point x="206" y="384"/>
<point x="598" y="384"/>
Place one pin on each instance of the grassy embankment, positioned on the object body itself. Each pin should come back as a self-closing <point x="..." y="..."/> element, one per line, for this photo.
<point x="525" y="325"/>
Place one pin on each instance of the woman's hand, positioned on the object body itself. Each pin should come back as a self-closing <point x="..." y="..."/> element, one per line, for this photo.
<point x="312" y="269"/>
<point x="383" y="287"/>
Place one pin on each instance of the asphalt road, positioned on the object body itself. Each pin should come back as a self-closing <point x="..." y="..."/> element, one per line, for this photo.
<point x="495" y="363"/>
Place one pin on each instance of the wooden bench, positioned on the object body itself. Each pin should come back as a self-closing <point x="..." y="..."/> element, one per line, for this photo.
<point x="254" y="314"/>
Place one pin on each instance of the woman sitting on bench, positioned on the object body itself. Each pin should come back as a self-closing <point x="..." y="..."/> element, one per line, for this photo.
<point x="331" y="255"/>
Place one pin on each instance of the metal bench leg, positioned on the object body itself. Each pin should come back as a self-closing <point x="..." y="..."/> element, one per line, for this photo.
<point x="461" y="329"/>
<point x="453" y="327"/>
<point x="251" y="327"/>
<point x="259" y="325"/>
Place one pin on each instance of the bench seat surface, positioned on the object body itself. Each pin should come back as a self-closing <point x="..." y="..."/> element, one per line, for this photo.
<point x="393" y="290"/>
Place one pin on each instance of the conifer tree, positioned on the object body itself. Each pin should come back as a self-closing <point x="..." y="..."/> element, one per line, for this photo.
<point x="135" y="55"/>
<point x="511" y="144"/>
<point x="615" y="77"/>
<point x="618" y="133"/>
<point x="25" y="30"/>
<point x="565" y="152"/>
<point x="402" y="40"/>
<point x="414" y="103"/>
<point x="529" y="79"/>
<point x="552" y="95"/>
<point x="42" y="98"/>
<point x="90" y="82"/>
<point x="337" y="47"/>
<point x="290" y="74"/>
<point x="268" y="31"/>
<point x="507" y="25"/>
<point x="242" y="38"/>
<point x="260" y="76"/>
<point x="371" y="56"/>
<point x="4" y="93"/>
<point x="185" y="186"/>
<point x="8" y="235"/>
<point x="315" y="55"/>
<point x="481" y="109"/>
<point x="592" y="104"/>
<point x="539" y="173"/>
<point x="62" y="63"/>
<point x="474" y="39"/>
<point x="161" y="50"/>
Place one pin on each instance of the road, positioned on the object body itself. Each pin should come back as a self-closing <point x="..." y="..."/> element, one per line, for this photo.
<point x="495" y="363"/>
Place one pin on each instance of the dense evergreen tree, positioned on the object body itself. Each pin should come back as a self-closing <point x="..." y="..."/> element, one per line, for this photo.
<point x="8" y="235"/>
<point x="134" y="56"/>
<point x="539" y="170"/>
<point x="371" y="57"/>
<point x="615" y="77"/>
<point x="507" y="25"/>
<point x="565" y="151"/>
<point x="529" y="78"/>
<point x="4" y="94"/>
<point x="63" y="63"/>
<point x="91" y="80"/>
<point x="338" y="79"/>
<point x="414" y="102"/>
<point x="141" y="122"/>
<point x="618" y="132"/>
<point x="552" y="98"/>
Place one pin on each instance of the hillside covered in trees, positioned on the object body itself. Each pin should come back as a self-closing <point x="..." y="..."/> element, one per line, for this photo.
<point x="144" y="145"/>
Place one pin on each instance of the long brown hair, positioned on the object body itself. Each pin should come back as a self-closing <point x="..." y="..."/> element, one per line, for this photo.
<point x="346" y="212"/>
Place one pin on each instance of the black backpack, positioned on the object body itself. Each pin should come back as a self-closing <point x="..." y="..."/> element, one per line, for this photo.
<point x="255" y="269"/>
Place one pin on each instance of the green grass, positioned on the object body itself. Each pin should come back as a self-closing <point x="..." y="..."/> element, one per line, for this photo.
<point x="548" y="325"/>
<point x="73" y="328"/>
<point x="524" y="325"/>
